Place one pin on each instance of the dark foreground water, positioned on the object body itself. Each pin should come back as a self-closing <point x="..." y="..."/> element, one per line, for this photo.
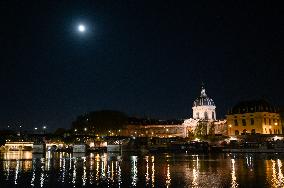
<point x="23" y="169"/>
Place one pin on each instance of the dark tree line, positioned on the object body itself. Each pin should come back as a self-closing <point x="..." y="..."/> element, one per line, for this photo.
<point x="100" y="121"/>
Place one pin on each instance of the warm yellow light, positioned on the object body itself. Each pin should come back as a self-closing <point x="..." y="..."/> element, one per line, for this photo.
<point x="230" y="125"/>
<point x="275" y="123"/>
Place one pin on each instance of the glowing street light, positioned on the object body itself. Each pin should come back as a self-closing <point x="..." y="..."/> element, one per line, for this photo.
<point x="230" y="128"/>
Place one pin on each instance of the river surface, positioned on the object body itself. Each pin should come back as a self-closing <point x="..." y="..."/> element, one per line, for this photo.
<point x="24" y="169"/>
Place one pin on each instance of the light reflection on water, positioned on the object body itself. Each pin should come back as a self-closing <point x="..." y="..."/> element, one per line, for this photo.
<point x="160" y="170"/>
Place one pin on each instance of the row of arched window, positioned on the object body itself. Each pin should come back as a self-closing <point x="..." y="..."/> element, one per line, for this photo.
<point x="205" y="115"/>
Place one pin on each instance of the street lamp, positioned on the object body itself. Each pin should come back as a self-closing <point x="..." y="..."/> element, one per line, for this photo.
<point x="230" y="128"/>
<point x="44" y="128"/>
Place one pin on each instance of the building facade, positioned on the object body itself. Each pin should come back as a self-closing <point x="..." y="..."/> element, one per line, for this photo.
<point x="254" y="117"/>
<point x="204" y="121"/>
<point x="203" y="107"/>
<point x="142" y="127"/>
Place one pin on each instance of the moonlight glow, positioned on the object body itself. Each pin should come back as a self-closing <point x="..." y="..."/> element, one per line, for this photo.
<point x="81" y="28"/>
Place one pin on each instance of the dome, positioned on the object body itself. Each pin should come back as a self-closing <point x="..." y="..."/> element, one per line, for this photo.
<point x="253" y="106"/>
<point x="203" y="99"/>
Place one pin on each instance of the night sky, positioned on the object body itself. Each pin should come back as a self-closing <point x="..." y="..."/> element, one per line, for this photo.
<point x="145" y="58"/>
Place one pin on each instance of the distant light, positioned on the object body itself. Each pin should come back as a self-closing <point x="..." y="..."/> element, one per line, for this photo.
<point x="35" y="128"/>
<point x="81" y="28"/>
<point x="44" y="127"/>
<point x="277" y="138"/>
<point x="197" y="139"/>
<point x="233" y="138"/>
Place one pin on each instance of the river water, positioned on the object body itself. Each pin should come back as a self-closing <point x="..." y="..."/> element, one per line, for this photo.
<point x="24" y="169"/>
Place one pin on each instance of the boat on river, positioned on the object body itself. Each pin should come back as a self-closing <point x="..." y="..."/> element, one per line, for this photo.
<point x="254" y="147"/>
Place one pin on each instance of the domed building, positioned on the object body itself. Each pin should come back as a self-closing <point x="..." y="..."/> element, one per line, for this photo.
<point x="204" y="107"/>
<point x="254" y="117"/>
<point x="203" y="119"/>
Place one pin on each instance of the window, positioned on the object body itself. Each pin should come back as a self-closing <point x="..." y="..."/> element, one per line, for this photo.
<point x="205" y="115"/>
<point x="269" y="120"/>
<point x="236" y="122"/>
<point x="237" y="132"/>
<point x="264" y="121"/>
<point x="197" y="115"/>
<point x="244" y="122"/>
<point x="251" y="121"/>
<point x="213" y="115"/>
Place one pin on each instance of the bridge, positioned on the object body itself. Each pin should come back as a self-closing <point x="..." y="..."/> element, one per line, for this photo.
<point x="18" y="146"/>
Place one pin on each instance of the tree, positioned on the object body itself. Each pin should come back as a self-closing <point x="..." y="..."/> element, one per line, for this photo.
<point x="100" y="122"/>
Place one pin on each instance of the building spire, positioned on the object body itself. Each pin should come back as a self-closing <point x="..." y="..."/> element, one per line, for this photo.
<point x="203" y="93"/>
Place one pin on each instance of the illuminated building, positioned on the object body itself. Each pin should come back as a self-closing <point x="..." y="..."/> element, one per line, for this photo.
<point x="154" y="128"/>
<point x="204" y="113"/>
<point x="204" y="107"/>
<point x="254" y="117"/>
<point x="204" y="117"/>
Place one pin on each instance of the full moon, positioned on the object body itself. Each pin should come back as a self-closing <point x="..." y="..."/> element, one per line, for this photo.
<point x="81" y="28"/>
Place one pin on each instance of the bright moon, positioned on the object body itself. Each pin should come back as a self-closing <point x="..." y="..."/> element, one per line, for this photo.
<point x="81" y="28"/>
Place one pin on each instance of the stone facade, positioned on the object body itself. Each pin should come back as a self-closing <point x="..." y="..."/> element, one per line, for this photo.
<point x="203" y="119"/>
<point x="254" y="117"/>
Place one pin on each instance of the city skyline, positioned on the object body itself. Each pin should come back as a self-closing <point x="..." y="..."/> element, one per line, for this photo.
<point x="142" y="58"/>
